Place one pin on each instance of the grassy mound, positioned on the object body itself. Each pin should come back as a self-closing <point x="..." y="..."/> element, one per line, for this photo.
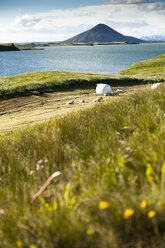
<point x="23" y="84"/>
<point x="150" y="67"/>
<point x="112" y="188"/>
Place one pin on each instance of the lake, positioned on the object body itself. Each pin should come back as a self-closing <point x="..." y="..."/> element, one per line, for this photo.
<point x="97" y="59"/>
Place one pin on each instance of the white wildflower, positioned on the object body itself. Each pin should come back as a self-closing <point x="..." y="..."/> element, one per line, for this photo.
<point x="128" y="149"/>
<point x="122" y="142"/>
<point x="37" y="166"/>
<point x="31" y="172"/>
<point x="2" y="211"/>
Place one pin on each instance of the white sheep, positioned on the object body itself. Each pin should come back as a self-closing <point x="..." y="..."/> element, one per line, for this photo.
<point x="70" y="102"/>
<point x="119" y="91"/>
<point x="81" y="101"/>
<point x="156" y="85"/>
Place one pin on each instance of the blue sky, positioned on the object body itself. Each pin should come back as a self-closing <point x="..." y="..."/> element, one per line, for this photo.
<point x="48" y="4"/>
<point x="51" y="20"/>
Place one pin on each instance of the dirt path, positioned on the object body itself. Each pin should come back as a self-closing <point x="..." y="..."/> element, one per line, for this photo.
<point x="22" y="111"/>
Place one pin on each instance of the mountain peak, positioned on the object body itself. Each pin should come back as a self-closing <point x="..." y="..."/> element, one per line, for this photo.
<point x="101" y="26"/>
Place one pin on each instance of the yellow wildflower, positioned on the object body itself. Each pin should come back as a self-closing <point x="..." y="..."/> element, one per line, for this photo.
<point x="143" y="204"/>
<point x="19" y="243"/>
<point x="151" y="214"/>
<point x="89" y="232"/>
<point x="128" y="213"/>
<point x="32" y="246"/>
<point x="104" y="204"/>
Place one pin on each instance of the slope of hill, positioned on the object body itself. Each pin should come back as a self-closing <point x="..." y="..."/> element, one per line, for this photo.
<point x="102" y="33"/>
<point x="150" y="67"/>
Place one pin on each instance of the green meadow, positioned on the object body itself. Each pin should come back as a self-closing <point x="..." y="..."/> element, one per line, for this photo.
<point x="91" y="179"/>
<point x="51" y="81"/>
<point x="154" y="67"/>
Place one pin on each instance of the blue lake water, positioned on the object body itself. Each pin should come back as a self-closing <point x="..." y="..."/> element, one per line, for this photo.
<point x="97" y="59"/>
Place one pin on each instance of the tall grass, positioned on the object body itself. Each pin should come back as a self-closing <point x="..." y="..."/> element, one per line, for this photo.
<point x="111" y="159"/>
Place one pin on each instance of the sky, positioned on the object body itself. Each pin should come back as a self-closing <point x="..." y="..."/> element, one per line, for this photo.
<point x="52" y="20"/>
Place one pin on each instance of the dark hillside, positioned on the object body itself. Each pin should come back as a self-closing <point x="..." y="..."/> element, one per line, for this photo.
<point x="8" y="47"/>
<point x="102" y="33"/>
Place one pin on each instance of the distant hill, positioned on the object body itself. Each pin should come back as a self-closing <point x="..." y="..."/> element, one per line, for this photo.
<point x="8" y="47"/>
<point x="154" y="38"/>
<point x="102" y="33"/>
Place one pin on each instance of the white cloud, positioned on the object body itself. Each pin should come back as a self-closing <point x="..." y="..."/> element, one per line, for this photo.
<point x="25" y="21"/>
<point x="157" y="6"/>
<point x="137" y="20"/>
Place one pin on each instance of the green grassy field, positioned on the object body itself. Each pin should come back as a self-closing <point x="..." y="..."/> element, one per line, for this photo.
<point x="21" y="111"/>
<point x="109" y="160"/>
<point x="148" y="68"/>
<point x="50" y="81"/>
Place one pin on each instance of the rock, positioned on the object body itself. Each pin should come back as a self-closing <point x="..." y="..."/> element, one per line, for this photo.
<point x="35" y="93"/>
<point x="70" y="102"/>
